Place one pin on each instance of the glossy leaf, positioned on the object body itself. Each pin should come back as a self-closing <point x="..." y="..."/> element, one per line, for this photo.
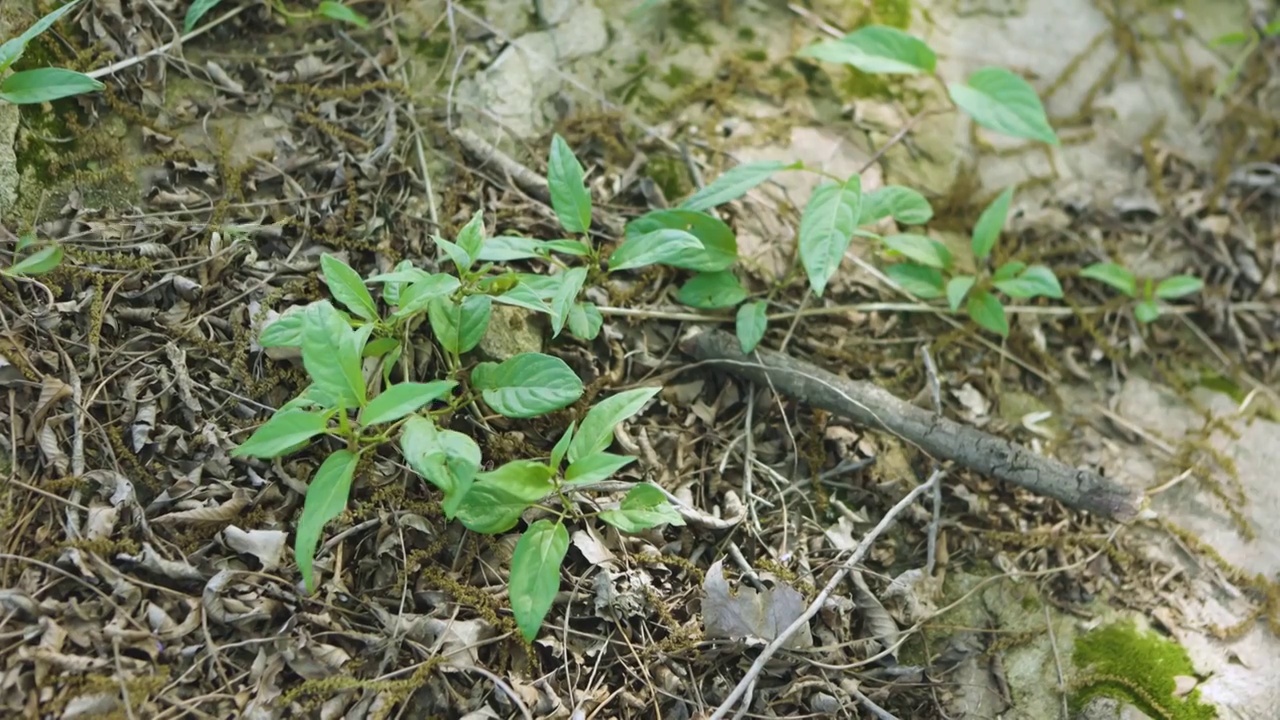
<point x="957" y="288"/>
<point x="418" y="296"/>
<point x="567" y="183"/>
<point x="13" y="48"/>
<point x="660" y="246"/>
<point x="284" y="331"/>
<point x="987" y="230"/>
<point x="597" y="467"/>
<point x="1117" y="276"/>
<point x="877" y="49"/>
<point x="284" y="431"/>
<point x="571" y="281"/>
<point x="1034" y="281"/>
<point x="535" y="574"/>
<point x="826" y="229"/>
<point x="923" y="282"/>
<point x="712" y="291"/>
<point x="347" y="287"/>
<point x="445" y="458"/>
<point x="402" y="399"/>
<point x="732" y="184"/>
<point x="329" y="355"/>
<point x="498" y="498"/>
<point x="585" y="321"/>
<point x="341" y="13"/>
<point x="751" y="323"/>
<point x="644" y="507"/>
<point x="459" y="326"/>
<point x="31" y="87"/>
<point x="562" y="447"/>
<point x="527" y="297"/>
<point x="1000" y="100"/>
<point x="904" y="205"/>
<point x="988" y="313"/>
<point x="197" y="10"/>
<point x="595" y="432"/>
<point x="924" y="250"/>
<point x="40" y="262"/>
<point x="326" y="499"/>
<point x="506" y="248"/>
<point x="459" y="257"/>
<point x="527" y="385"/>
<point x="1178" y="286"/>
<point x="471" y="237"/>
<point x="719" y="246"/>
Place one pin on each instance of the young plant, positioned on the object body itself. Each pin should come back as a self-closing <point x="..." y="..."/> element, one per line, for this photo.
<point x="1147" y="306"/>
<point x="1249" y="40"/>
<point x="40" y="84"/>
<point x="39" y="262"/>
<point x="326" y="9"/>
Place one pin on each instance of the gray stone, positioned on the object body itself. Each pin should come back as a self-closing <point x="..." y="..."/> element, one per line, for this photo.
<point x="8" y="132"/>
<point x="512" y="330"/>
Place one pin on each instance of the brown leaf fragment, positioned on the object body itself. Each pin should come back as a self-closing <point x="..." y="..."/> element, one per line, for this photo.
<point x="225" y="512"/>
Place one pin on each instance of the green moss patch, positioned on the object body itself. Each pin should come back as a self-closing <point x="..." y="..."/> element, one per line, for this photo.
<point x="1122" y="662"/>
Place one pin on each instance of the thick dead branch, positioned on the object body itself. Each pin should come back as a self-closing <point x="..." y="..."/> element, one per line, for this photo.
<point x="873" y="407"/>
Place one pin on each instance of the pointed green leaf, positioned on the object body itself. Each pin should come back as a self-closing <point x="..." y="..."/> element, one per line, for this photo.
<point x="1114" y="275"/>
<point x="572" y="281"/>
<point x="471" y="236"/>
<point x="987" y="312"/>
<point x="597" y="467"/>
<point x="402" y="399"/>
<point x="903" y="204"/>
<point x="1000" y="100"/>
<point x="527" y="385"/>
<point x="12" y="49"/>
<point x="562" y="447"/>
<point x="329" y="354"/>
<point x="644" y="507"/>
<point x="31" y="87"/>
<point x="498" y="498"/>
<point x="957" y="288"/>
<point x="285" y="431"/>
<point x="284" y="331"/>
<point x="197" y="10"/>
<point x="990" y="223"/>
<point x="40" y="262"/>
<point x="445" y="458"/>
<point x="459" y="257"/>
<point x="732" y="184"/>
<point x="877" y="49"/>
<point x="719" y="249"/>
<point x="923" y="282"/>
<point x="347" y="287"/>
<point x="1146" y="311"/>
<point x="826" y="228"/>
<point x="337" y="11"/>
<point x="660" y="246"/>
<point x="1034" y="281"/>
<point x="1009" y="270"/>
<point x="712" y="291"/>
<point x="459" y="326"/>
<point x="567" y="183"/>
<point x="1178" y="286"/>
<point x="595" y="433"/>
<point x="326" y="499"/>
<point x="535" y="574"/>
<point x="751" y="323"/>
<point x="585" y="321"/>
<point x="924" y="250"/>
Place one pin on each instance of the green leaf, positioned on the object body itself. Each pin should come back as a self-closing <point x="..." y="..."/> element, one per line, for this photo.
<point x="25" y="241"/>
<point x="712" y="291"/>
<point x="986" y="310"/>
<point x="506" y="248"/>
<point x="1117" y="276"/>
<point x="326" y="499"/>
<point x="1178" y="286"/>
<point x="751" y="323"/>
<point x="903" y="204"/>
<point x="42" y="261"/>
<point x="445" y="458"/>
<point x="284" y="331"/>
<point x="719" y="249"/>
<point x="498" y="498"/>
<point x="924" y="250"/>
<point x="341" y="13"/>
<point x="957" y="288"/>
<point x="571" y="284"/>
<point x="732" y="184"/>
<point x="198" y="9"/>
<point x="561" y="448"/>
<point x="12" y="49"/>
<point x="566" y="180"/>
<point x="1146" y="311"/>
<point x="459" y="257"/>
<point x="395" y="281"/>
<point x="1231" y="38"/>
<point x="418" y="296"/>
<point x="987" y="230"/>
<point x="660" y="246"/>
<point x="347" y="287"/>
<point x="643" y="508"/>
<point x="597" y="467"/>
<point x="595" y="433"/>
<point x="459" y="326"/>
<point x="877" y="49"/>
<point x="381" y="346"/>
<point x="31" y="87"/>
<point x="471" y="236"/>
<point x="585" y="321"/>
<point x="282" y="433"/>
<point x="535" y="574"/>
<point x="402" y="399"/>
<point x="826" y="228"/>
<point x="923" y="282"/>
<point x="1000" y="100"/>
<point x="527" y="385"/>
<point x="329" y="356"/>
<point x="1009" y="270"/>
<point x="527" y="297"/>
<point x="1035" y="281"/>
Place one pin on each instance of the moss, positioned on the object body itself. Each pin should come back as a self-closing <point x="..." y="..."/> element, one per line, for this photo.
<point x="670" y="174"/>
<point x="677" y="77"/>
<point x="894" y="13"/>
<point x="755" y="55"/>
<point x="686" y="19"/>
<point x="1124" y="663"/>
<point x="746" y="34"/>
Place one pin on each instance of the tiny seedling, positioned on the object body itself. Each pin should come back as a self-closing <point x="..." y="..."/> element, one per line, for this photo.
<point x="329" y="9"/>
<point x="39" y="261"/>
<point x="39" y="85"/>
<point x="1146" y="304"/>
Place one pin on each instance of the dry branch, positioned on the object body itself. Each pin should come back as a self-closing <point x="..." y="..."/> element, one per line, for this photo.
<point x="873" y="407"/>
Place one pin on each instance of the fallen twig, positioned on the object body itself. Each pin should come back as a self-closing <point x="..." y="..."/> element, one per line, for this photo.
<point x="871" y="406"/>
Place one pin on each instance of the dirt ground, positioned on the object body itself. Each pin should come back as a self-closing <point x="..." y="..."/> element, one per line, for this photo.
<point x="145" y="573"/>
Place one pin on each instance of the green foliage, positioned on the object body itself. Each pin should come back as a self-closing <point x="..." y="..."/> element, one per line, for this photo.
<point x="569" y="196"/>
<point x="329" y="9"/>
<point x="42" y="261"/>
<point x="826" y="229"/>
<point x="40" y="85"/>
<point x="1146" y="306"/>
<point x="1141" y="667"/>
<point x="751" y="323"/>
<point x="877" y="49"/>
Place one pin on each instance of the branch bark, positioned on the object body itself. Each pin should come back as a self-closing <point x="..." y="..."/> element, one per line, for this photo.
<point x="873" y="407"/>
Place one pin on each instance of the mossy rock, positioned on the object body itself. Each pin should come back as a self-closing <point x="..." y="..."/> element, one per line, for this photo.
<point x="1140" y="667"/>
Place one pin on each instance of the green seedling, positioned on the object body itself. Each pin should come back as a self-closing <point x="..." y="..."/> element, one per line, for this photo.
<point x="327" y="9"/>
<point x="40" y="85"/>
<point x="40" y="261"/>
<point x="1146" y="306"/>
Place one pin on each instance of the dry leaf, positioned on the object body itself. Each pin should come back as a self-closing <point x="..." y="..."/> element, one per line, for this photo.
<point x="751" y="615"/>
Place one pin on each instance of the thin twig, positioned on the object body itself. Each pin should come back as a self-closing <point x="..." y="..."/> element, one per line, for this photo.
<point x="852" y="561"/>
<point x="935" y="394"/>
<point x="1057" y="663"/>
<point x="130" y="62"/>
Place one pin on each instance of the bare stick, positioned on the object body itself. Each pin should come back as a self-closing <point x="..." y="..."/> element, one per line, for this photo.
<point x="845" y="568"/>
<point x="873" y="407"/>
